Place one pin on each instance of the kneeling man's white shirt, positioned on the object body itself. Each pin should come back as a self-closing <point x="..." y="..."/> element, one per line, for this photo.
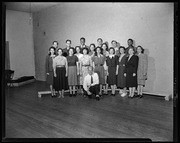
<point x="87" y="81"/>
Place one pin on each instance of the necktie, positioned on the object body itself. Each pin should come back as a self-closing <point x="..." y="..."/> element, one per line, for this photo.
<point x="91" y="79"/>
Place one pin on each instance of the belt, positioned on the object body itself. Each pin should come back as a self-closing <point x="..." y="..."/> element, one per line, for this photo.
<point x="59" y="66"/>
<point x="85" y="65"/>
<point x="99" y="65"/>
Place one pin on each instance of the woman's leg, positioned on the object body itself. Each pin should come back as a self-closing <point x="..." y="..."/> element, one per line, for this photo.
<point x="112" y="89"/>
<point x="130" y="91"/>
<point x="138" y="89"/>
<point x="133" y="89"/>
<point x="62" y="93"/>
<point x="100" y="92"/>
<point x="70" y="90"/>
<point x="51" y="90"/>
<point x="74" y="90"/>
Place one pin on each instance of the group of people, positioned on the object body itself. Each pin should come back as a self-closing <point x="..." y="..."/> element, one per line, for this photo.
<point x="91" y="70"/>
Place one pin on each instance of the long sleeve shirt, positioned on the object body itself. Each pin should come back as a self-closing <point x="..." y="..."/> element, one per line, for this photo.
<point x="87" y="81"/>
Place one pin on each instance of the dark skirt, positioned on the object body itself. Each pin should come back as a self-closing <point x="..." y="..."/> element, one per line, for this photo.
<point x="121" y="79"/>
<point x="49" y="78"/>
<point x="60" y="81"/>
<point x="131" y="81"/>
<point x="112" y="76"/>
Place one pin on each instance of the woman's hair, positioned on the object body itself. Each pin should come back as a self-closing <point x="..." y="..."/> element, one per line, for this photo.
<point x="113" y="49"/>
<point x="132" y="49"/>
<point x="86" y="50"/>
<point x="59" y="49"/>
<point x="54" y="50"/>
<point x="142" y="49"/>
<point x="106" y="46"/>
<point x="122" y="47"/>
<point x="80" y="51"/>
<point x="72" y="49"/>
<point x="96" y="50"/>
<point x="91" y="45"/>
<point x="68" y="40"/>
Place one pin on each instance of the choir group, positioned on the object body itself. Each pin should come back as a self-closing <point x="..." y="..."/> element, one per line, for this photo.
<point x="91" y="70"/>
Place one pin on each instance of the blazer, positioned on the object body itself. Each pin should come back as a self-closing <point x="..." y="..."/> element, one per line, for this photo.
<point x="49" y="64"/>
<point x="132" y="64"/>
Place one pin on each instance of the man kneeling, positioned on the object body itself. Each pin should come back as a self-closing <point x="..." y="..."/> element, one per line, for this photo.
<point x="91" y="83"/>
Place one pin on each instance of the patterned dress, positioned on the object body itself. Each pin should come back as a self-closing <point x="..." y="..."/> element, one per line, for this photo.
<point x="142" y="69"/>
<point x="72" y="70"/>
<point x="99" y="67"/>
<point x="85" y="62"/>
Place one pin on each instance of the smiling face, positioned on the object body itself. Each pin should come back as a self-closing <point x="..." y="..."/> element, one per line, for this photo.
<point x="139" y="50"/>
<point x="71" y="52"/>
<point x="52" y="51"/>
<point x="104" y="47"/>
<point x="55" y="44"/>
<point x="98" y="50"/>
<point x="82" y="41"/>
<point x="111" y="51"/>
<point x="84" y="51"/>
<point x="131" y="51"/>
<point x="59" y="52"/>
<point x="77" y="49"/>
<point x="99" y="42"/>
<point x="122" y="50"/>
<point x="130" y="42"/>
<point x="92" y="47"/>
<point x="68" y="43"/>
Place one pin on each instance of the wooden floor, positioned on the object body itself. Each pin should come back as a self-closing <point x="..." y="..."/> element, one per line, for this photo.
<point x="28" y="116"/>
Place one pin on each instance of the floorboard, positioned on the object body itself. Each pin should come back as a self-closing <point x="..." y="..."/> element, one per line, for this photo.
<point x="28" y="116"/>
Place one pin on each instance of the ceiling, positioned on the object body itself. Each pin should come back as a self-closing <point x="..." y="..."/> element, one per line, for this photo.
<point x="29" y="6"/>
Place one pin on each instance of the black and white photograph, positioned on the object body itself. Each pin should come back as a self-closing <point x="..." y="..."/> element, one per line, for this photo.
<point x="89" y="70"/>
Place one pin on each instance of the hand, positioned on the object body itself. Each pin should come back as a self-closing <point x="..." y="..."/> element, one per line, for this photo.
<point x="55" y="75"/>
<point x="107" y="73"/>
<point x="47" y="73"/>
<point x="88" y="92"/>
<point x="134" y="74"/>
<point x="125" y="74"/>
<point x="116" y="72"/>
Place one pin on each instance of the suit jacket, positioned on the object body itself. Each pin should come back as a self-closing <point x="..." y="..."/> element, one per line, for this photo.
<point x="49" y="64"/>
<point x="132" y="64"/>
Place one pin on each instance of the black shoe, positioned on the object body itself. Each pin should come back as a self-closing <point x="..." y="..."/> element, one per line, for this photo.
<point x="140" y="96"/>
<point x="74" y="95"/>
<point x="90" y="96"/>
<point x="70" y="95"/>
<point x="97" y="98"/>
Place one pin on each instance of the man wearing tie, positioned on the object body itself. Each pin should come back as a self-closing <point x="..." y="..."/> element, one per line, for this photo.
<point x="91" y="83"/>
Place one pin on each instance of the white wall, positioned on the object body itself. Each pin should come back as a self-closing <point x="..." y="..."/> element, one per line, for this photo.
<point x="19" y="33"/>
<point x="150" y="25"/>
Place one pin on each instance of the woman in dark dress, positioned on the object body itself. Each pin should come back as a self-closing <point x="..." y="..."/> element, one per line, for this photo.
<point x="131" y="71"/>
<point x="112" y="62"/>
<point x="49" y="69"/>
<point x="121" y="79"/>
<point x="60" y="68"/>
<point x="72" y="71"/>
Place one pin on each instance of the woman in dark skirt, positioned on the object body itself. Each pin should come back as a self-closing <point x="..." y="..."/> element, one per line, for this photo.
<point x="112" y="62"/>
<point x="49" y="69"/>
<point x="73" y="71"/>
<point x="60" y="67"/>
<point x="131" y="72"/>
<point x="121" y="79"/>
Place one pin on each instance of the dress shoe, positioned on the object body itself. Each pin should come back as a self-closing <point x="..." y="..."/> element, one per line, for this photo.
<point x="97" y="98"/>
<point x="74" y="95"/>
<point x="140" y="96"/>
<point x="70" y="95"/>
